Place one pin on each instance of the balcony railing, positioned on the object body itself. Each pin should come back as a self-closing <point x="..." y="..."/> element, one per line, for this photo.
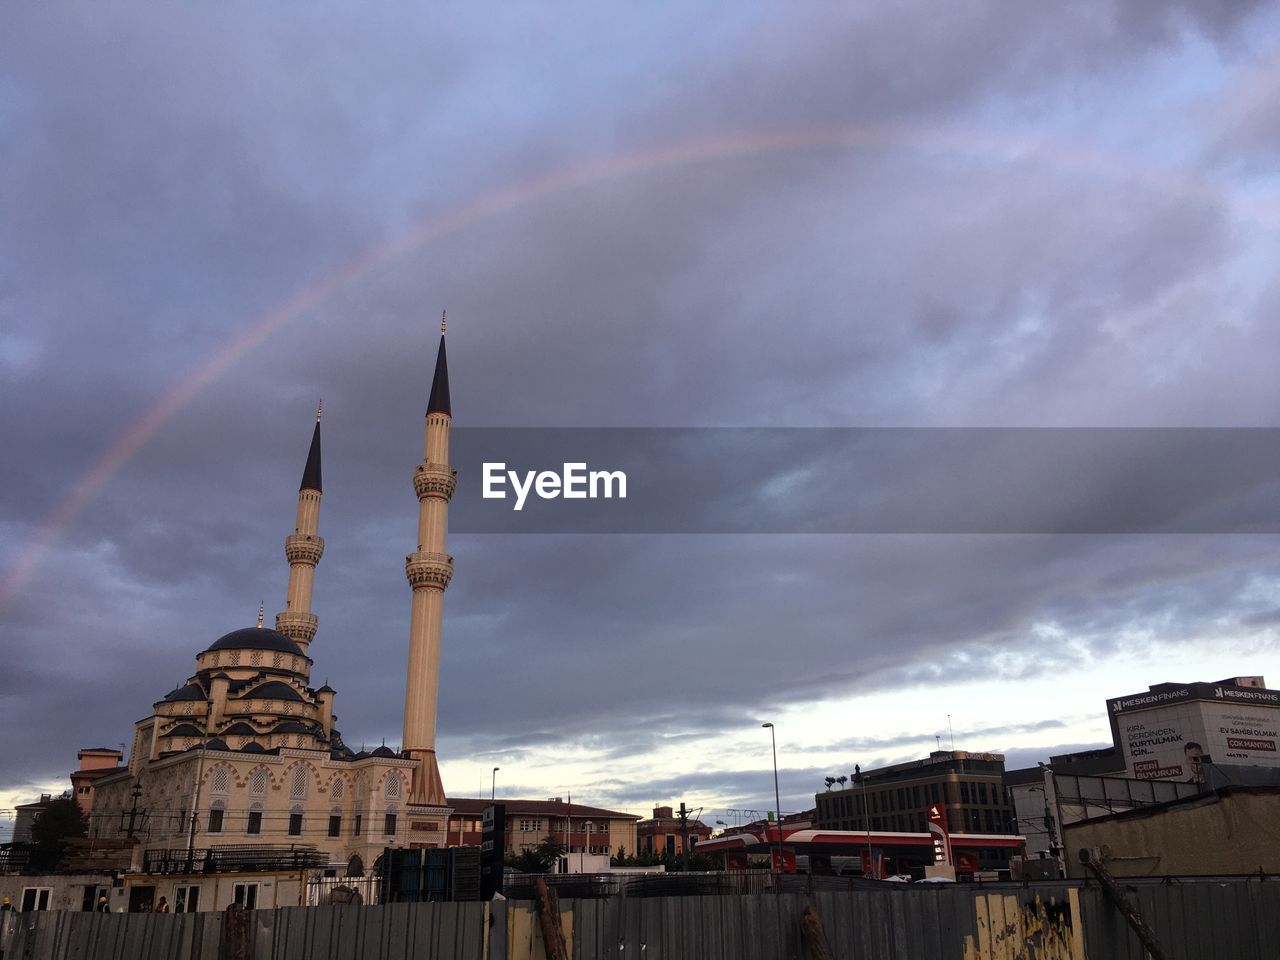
<point x="232" y="860"/>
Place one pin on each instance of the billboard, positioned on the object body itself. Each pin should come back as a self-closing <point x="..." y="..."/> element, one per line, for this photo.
<point x="1164" y="734"/>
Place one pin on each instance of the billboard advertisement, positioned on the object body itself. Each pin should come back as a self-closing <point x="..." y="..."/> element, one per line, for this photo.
<point x="1166" y="733"/>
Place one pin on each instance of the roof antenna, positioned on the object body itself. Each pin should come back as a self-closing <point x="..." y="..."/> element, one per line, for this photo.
<point x="952" y="732"/>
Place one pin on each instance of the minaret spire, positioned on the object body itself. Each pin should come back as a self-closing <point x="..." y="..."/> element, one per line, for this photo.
<point x="303" y="549"/>
<point x="429" y="570"/>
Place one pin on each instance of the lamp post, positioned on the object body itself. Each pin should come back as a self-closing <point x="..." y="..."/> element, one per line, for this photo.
<point x="777" y="802"/>
<point x="586" y="841"/>
<point x="493" y="783"/>
<point x="866" y="819"/>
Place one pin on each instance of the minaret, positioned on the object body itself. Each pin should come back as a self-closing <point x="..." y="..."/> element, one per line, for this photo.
<point x="429" y="571"/>
<point x="303" y="549"/>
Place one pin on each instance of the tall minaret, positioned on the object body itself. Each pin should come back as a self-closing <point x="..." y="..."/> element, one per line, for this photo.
<point x="429" y="571"/>
<point x="303" y="549"/>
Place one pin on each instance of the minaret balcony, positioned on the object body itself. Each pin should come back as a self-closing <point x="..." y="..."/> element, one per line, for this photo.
<point x="303" y="548"/>
<point x="428" y="569"/>
<point x="297" y="625"/>
<point x="434" y="480"/>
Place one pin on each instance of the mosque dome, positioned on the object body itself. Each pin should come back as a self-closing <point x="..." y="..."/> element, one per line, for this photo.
<point x="256" y="638"/>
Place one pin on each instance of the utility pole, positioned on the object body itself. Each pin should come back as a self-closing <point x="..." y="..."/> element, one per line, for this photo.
<point x="134" y="813"/>
<point x="684" y="835"/>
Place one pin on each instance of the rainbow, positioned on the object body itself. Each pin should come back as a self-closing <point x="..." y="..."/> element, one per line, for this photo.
<point x="1002" y="147"/>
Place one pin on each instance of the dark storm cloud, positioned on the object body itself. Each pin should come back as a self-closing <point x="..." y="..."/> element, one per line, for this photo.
<point x="936" y="244"/>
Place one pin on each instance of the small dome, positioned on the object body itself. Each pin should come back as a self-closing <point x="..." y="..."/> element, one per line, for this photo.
<point x="184" y="730"/>
<point x="240" y="729"/>
<point x="255" y="638"/>
<point x="384" y="751"/>
<point x="192" y="691"/>
<point x="291" y="726"/>
<point x="253" y="747"/>
<point x="326" y="689"/>
<point x="272" y="690"/>
<point x="217" y="743"/>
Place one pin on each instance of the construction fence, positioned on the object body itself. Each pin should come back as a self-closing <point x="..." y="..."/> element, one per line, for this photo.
<point x="1194" y="919"/>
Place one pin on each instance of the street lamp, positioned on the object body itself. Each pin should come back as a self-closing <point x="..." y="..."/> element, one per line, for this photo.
<point x="866" y="818"/>
<point x="777" y="802"/>
<point x="493" y="783"/>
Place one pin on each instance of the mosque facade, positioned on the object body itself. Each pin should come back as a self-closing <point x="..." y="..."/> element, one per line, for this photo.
<point x="247" y="755"/>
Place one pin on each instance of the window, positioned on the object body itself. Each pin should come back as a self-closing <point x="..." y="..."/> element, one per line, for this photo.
<point x="83" y="791"/>
<point x="295" y="824"/>
<point x="91" y="894"/>
<point x="215" y="819"/>
<point x="258" y="782"/>
<point x="35" y="898"/>
<point x="254" y="823"/>
<point x="359" y="822"/>
<point x="389" y="823"/>
<point x="246" y="894"/>
<point x="335" y="826"/>
<point x="186" y="898"/>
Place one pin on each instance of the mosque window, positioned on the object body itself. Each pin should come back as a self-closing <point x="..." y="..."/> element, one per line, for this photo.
<point x="392" y="790"/>
<point x="258" y="782"/>
<point x="235" y="657"/>
<point x="337" y="788"/>
<point x="253" y="825"/>
<point x="359" y="823"/>
<point x="335" y="825"/>
<point x="221" y="780"/>
<point x="298" y="785"/>
<point x="215" y="817"/>
<point x="295" y="822"/>
<point x="255" y="658"/>
<point x="275" y="660"/>
<point x="389" y="824"/>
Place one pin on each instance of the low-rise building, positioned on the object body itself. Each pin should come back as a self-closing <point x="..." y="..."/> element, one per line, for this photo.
<point x="665" y="832"/>
<point x="1224" y="832"/>
<point x="580" y="828"/>
<point x="95" y="762"/>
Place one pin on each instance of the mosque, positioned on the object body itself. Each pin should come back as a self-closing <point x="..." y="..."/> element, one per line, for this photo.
<point x="247" y="753"/>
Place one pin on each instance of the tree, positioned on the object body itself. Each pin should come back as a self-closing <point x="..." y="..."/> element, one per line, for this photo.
<point x="830" y="781"/>
<point x="539" y="859"/>
<point x="842" y="781"/>
<point x="60" y="821"/>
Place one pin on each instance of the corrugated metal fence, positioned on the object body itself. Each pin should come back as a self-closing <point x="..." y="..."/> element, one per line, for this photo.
<point x="1195" y="920"/>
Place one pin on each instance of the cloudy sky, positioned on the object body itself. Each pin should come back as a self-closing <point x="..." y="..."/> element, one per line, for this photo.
<point x="683" y="215"/>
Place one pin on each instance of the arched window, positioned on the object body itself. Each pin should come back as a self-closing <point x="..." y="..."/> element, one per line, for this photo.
<point x="392" y="789"/>
<point x="355" y="866"/>
<point x="298" y="783"/>
<point x="253" y="822"/>
<point x="217" y="810"/>
<point x="258" y="782"/>
<point x="337" y="788"/>
<point x="221" y="780"/>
